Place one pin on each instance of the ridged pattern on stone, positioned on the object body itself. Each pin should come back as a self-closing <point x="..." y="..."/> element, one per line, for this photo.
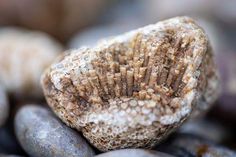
<point x="133" y="90"/>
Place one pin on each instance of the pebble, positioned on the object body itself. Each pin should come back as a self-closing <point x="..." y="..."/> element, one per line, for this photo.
<point x="4" y="107"/>
<point x="41" y="134"/>
<point x="21" y="63"/>
<point x="194" y="146"/>
<point x="208" y="129"/>
<point x="134" y="153"/>
<point x="225" y="108"/>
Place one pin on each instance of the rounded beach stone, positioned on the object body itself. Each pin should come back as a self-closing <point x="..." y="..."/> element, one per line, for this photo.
<point x="43" y="135"/>
<point x="134" y="153"/>
<point x="24" y="55"/>
<point x="208" y="129"/>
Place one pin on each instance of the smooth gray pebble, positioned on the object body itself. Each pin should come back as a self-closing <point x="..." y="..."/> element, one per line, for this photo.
<point x="133" y="153"/>
<point x="41" y="134"/>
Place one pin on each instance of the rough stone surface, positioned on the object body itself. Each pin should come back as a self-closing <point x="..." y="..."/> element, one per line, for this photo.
<point x="24" y="55"/>
<point x="43" y="135"/>
<point x="134" y="89"/>
<point x="134" y="153"/>
<point x="195" y="146"/>
<point x="4" y="106"/>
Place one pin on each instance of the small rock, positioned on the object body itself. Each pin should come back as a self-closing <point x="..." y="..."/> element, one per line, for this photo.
<point x="176" y="151"/>
<point x="41" y="134"/>
<point x="24" y="55"/>
<point x="207" y="129"/>
<point x="225" y="109"/>
<point x="133" y="153"/>
<point x="195" y="146"/>
<point x="4" y="106"/>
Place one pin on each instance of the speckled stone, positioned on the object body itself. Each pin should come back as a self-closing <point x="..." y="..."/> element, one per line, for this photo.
<point x="134" y="153"/>
<point x="4" y="106"/>
<point x="194" y="146"/>
<point x="43" y="135"/>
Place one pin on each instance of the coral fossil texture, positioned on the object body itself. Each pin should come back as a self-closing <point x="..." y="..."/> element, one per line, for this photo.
<point x="133" y="90"/>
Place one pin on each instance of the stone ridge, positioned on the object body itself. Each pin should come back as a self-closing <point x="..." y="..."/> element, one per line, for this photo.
<point x="134" y="89"/>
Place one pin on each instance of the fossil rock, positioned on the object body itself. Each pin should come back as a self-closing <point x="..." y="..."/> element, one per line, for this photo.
<point x="134" y="89"/>
<point x="23" y="57"/>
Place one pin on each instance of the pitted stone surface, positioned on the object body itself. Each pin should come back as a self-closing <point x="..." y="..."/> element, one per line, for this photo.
<point x="134" y="89"/>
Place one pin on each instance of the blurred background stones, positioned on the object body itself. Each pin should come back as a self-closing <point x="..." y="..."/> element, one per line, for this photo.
<point x="118" y="19"/>
<point x="207" y="129"/>
<point x="8" y="141"/>
<point x="7" y="155"/>
<point x="225" y="108"/>
<point x="34" y="32"/>
<point x="4" y="106"/>
<point x="57" y="17"/>
<point x="190" y="145"/>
